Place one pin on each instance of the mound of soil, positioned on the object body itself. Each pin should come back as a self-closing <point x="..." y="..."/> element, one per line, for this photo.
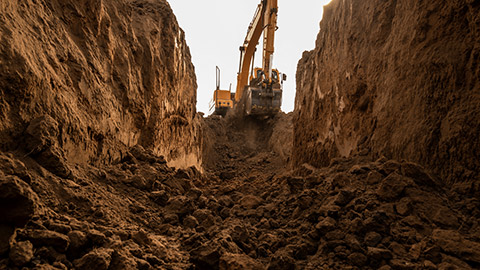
<point x="246" y="211"/>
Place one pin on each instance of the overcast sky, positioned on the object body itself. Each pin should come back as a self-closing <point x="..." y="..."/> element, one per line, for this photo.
<point x="215" y="29"/>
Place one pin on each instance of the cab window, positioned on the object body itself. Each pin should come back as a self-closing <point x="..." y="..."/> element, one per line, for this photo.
<point x="275" y="75"/>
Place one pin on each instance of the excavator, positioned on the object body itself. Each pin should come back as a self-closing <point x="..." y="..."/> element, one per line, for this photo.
<point x="259" y="90"/>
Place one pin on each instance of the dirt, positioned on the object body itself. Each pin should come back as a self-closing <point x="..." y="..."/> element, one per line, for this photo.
<point x="106" y="75"/>
<point x="104" y="163"/>
<point x="248" y="210"/>
<point x="393" y="78"/>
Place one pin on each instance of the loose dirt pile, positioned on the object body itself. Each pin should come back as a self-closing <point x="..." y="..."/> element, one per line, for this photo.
<point x="92" y="93"/>
<point x="247" y="211"/>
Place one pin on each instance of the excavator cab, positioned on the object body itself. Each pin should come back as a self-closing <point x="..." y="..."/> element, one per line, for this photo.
<point x="222" y="98"/>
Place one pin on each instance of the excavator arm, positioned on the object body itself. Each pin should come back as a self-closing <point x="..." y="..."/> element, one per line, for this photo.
<point x="270" y="26"/>
<point x="247" y="51"/>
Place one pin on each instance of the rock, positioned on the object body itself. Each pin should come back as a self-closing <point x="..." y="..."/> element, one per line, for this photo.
<point x="96" y="259"/>
<point x="230" y="261"/>
<point x="78" y="240"/>
<point x="190" y="222"/>
<point x="171" y="219"/>
<point x="453" y="242"/>
<point x="358" y="169"/>
<point x="11" y="166"/>
<point x="344" y="197"/>
<point x="48" y="238"/>
<point x="146" y="156"/>
<point x="335" y="235"/>
<point x="357" y="259"/>
<point x="19" y="203"/>
<point x="180" y="205"/>
<point x="304" y="249"/>
<point x="226" y="201"/>
<point x="195" y="193"/>
<point x="205" y="217"/>
<point x="21" y="253"/>
<point x="391" y="187"/>
<point x="138" y="181"/>
<point x="225" y="213"/>
<point x="160" y="197"/>
<point x="428" y="265"/>
<point x="206" y="256"/>
<point x="58" y="227"/>
<point x="374" y="178"/>
<point x="48" y="254"/>
<point x="281" y="260"/>
<point x="372" y="239"/>
<point x="444" y="217"/>
<point x="42" y="132"/>
<point x="341" y="180"/>
<point x="326" y="224"/>
<point x="181" y="184"/>
<point x="404" y="206"/>
<point x="96" y="238"/>
<point x="379" y="254"/>
<point x="330" y="210"/>
<point x="304" y="201"/>
<point x="120" y="261"/>
<point x="250" y="202"/>
<point x="41" y="141"/>
<point x="142" y="238"/>
<point x="143" y="264"/>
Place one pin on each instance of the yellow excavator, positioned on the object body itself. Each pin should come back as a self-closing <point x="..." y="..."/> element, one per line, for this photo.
<point x="259" y="90"/>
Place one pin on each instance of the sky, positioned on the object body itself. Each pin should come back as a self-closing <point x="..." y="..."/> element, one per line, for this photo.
<point x="215" y="29"/>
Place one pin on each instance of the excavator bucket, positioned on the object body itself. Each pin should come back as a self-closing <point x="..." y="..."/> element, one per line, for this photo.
<point x="263" y="102"/>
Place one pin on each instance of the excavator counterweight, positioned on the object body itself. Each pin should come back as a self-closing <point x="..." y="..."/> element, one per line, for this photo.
<point x="222" y="98"/>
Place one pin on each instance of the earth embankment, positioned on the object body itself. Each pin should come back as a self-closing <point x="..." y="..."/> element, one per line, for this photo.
<point x="396" y="79"/>
<point x="86" y="80"/>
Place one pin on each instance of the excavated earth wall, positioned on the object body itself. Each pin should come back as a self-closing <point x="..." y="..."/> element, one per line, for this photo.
<point x="395" y="78"/>
<point x="84" y="80"/>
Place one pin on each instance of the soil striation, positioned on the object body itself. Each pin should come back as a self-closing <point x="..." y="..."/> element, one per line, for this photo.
<point x="88" y="79"/>
<point x="393" y="78"/>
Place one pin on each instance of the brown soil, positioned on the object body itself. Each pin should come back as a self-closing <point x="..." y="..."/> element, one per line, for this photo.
<point x="101" y="76"/>
<point x="247" y="211"/>
<point x="393" y="78"/>
<point x="93" y="93"/>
